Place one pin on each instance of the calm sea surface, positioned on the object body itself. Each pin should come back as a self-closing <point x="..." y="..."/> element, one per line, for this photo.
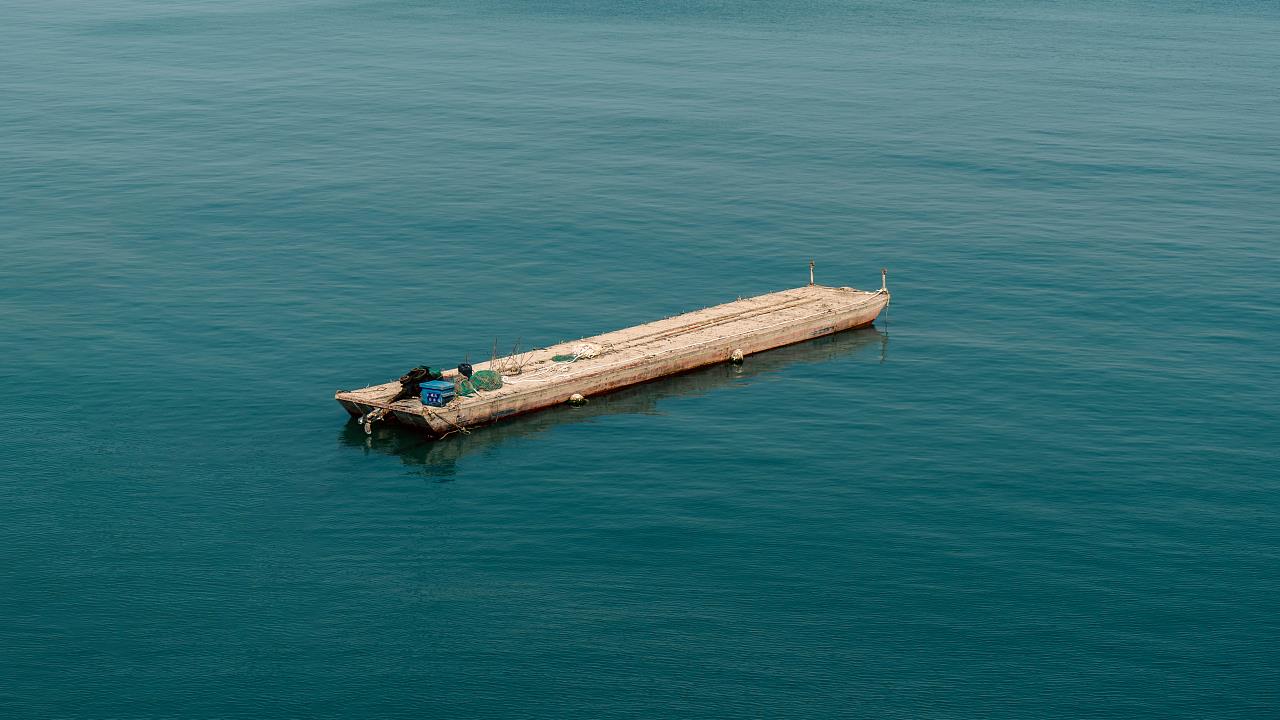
<point x="1044" y="486"/>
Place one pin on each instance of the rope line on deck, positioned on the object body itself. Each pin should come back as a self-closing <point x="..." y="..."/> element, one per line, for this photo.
<point x="585" y="350"/>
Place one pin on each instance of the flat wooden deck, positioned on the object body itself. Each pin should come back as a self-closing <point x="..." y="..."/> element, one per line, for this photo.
<point x="634" y="355"/>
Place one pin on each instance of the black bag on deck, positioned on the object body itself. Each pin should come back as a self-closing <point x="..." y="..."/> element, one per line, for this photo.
<point x="411" y="382"/>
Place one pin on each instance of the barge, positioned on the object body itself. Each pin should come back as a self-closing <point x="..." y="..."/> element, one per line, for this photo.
<point x="439" y="457"/>
<point x="575" y="371"/>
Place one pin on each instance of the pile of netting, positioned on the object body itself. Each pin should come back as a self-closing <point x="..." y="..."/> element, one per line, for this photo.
<point x="479" y="380"/>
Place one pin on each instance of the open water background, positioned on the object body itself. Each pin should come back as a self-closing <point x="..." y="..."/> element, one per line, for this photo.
<point x="1045" y="487"/>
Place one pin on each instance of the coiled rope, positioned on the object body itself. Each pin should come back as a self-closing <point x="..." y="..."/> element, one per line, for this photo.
<point x="559" y="364"/>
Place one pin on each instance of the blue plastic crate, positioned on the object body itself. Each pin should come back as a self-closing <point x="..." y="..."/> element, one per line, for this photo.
<point x="437" y="393"/>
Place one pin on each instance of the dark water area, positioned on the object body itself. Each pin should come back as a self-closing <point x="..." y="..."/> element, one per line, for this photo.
<point x="1043" y="486"/>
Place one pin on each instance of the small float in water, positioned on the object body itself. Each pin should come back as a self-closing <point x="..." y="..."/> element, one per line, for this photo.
<point x="470" y="396"/>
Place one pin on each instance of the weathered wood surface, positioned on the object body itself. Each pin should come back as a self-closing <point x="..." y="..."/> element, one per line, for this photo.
<point x="637" y="354"/>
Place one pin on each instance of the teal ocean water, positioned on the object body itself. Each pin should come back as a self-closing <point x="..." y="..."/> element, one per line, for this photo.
<point x="1044" y="486"/>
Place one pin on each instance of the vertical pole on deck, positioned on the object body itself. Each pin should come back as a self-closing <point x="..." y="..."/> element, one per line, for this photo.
<point x="810" y="273"/>
<point x="884" y="280"/>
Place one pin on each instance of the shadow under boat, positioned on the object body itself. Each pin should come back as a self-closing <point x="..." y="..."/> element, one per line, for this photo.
<point x="437" y="457"/>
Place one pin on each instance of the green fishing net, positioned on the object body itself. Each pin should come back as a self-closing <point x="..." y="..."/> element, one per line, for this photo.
<point x="480" y="380"/>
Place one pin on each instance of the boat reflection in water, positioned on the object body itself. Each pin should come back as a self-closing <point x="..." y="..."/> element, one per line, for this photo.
<point x="437" y="458"/>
